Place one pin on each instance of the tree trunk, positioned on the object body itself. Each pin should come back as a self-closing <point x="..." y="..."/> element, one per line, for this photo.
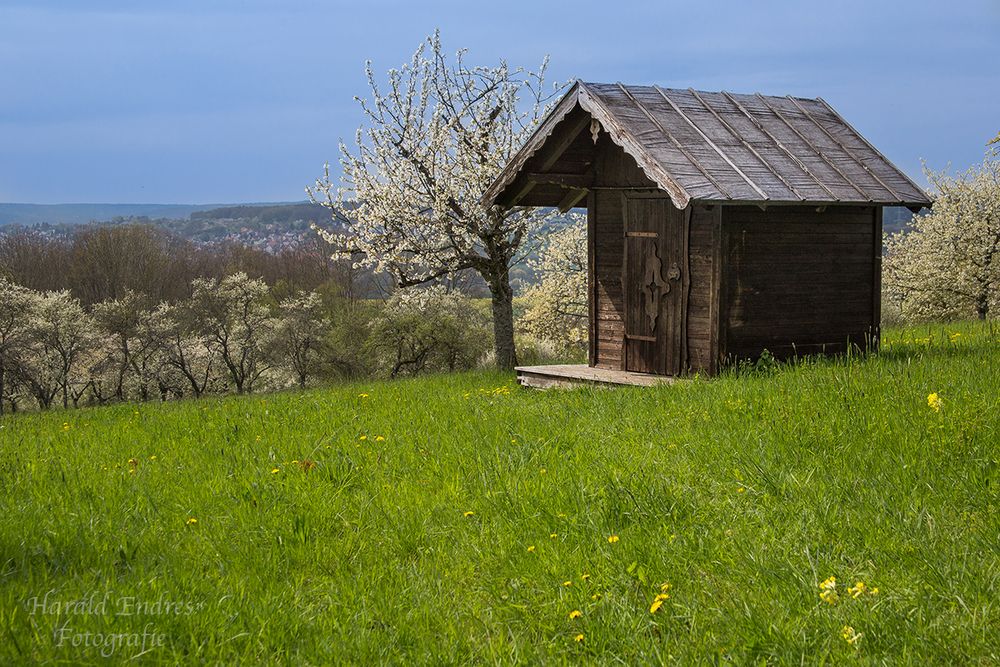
<point x="982" y="306"/>
<point x="2" y="387"/>
<point x="503" y="320"/>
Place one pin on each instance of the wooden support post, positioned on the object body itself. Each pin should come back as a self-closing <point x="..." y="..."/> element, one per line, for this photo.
<point x="571" y="199"/>
<point x="876" y="334"/>
<point x="591" y="279"/>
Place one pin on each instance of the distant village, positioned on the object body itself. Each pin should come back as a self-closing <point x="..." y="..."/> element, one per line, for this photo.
<point x="271" y="229"/>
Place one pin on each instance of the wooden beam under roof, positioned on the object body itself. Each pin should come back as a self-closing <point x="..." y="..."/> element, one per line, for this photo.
<point x="572" y="198"/>
<point x="520" y="194"/>
<point x="566" y="180"/>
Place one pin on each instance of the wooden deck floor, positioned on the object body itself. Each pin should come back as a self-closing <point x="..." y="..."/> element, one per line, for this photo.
<point x="574" y="375"/>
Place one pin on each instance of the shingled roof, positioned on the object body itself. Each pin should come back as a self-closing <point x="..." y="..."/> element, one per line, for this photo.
<point x="724" y="147"/>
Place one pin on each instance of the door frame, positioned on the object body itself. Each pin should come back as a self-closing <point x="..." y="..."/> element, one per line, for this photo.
<point x="681" y="356"/>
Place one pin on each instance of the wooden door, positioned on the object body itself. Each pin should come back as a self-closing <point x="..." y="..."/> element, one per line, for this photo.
<point x="654" y="280"/>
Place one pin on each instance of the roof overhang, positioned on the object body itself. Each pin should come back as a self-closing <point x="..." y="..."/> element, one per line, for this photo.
<point x="809" y="144"/>
<point x="578" y="95"/>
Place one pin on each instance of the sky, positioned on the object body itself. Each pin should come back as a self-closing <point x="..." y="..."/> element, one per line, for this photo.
<point x="227" y="101"/>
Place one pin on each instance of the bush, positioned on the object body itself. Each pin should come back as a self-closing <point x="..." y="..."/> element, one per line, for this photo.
<point x="428" y="330"/>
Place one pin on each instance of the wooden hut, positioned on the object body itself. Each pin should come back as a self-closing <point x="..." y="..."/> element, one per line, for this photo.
<point x="719" y="225"/>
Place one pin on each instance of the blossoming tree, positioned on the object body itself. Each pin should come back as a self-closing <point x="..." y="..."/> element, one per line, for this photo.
<point x="432" y="142"/>
<point x="557" y="305"/>
<point x="15" y="309"/>
<point x="947" y="264"/>
<point x="232" y="317"/>
<point x="59" y="334"/>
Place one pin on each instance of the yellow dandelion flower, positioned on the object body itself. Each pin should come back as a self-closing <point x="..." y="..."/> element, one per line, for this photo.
<point x="561" y="515"/>
<point x="612" y="539"/>
<point x="857" y="590"/>
<point x="152" y="457"/>
<point x="595" y="596"/>
<point x="874" y="591"/>
<point x="379" y="438"/>
<point x="364" y="437"/>
<point x="191" y="521"/>
<point x="66" y="426"/>
<point x="531" y="549"/>
<point x="953" y="337"/>
<point x="567" y="583"/>
<point x="553" y="535"/>
<point x="665" y="586"/>
<point x="849" y="634"/>
<point x="660" y="597"/>
<point x="275" y="471"/>
<point x="578" y="638"/>
<point x="584" y="576"/>
<point x="740" y="490"/>
<point x="934" y="402"/>
<point x="468" y="514"/>
<point x="655" y="607"/>
<point x="542" y="471"/>
<point x="828" y="591"/>
<point x="576" y="613"/>
<point x="362" y="395"/>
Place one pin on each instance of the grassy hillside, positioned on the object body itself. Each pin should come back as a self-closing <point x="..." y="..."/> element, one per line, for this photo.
<point x="458" y="519"/>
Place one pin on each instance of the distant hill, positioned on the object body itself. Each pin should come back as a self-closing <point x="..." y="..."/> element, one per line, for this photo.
<point x="268" y="226"/>
<point x="276" y="213"/>
<point x="78" y="214"/>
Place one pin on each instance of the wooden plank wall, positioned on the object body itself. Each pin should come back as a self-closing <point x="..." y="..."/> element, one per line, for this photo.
<point x="797" y="281"/>
<point x="609" y="244"/>
<point x="704" y="232"/>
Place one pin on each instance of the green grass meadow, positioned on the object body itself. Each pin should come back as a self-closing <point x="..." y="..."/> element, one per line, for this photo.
<point x="461" y="519"/>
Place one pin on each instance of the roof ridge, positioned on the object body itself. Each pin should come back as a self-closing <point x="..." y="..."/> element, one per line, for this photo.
<point x="697" y="90"/>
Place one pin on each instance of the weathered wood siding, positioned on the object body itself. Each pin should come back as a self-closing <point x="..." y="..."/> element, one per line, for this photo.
<point x="704" y="234"/>
<point x="798" y="281"/>
<point x="609" y="306"/>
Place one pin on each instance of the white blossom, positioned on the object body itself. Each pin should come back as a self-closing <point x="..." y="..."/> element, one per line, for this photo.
<point x="947" y="264"/>
<point x="556" y="307"/>
<point x="435" y="137"/>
